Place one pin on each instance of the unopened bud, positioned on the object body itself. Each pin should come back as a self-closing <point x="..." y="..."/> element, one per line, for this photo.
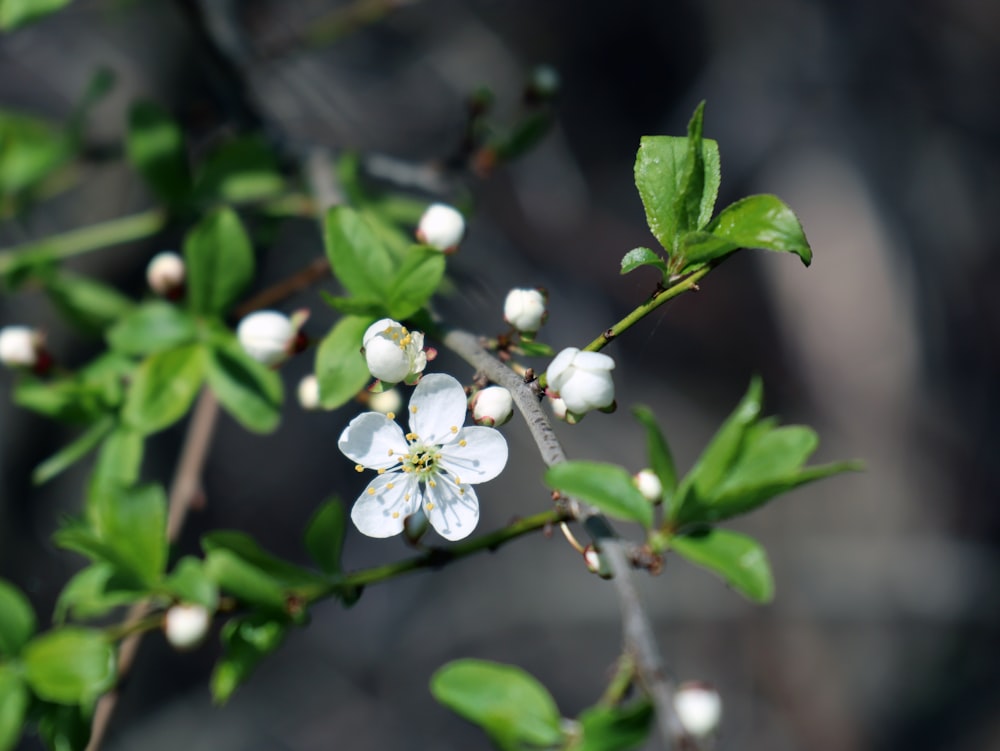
<point x="165" y="274"/>
<point x="595" y="562"/>
<point x="386" y="401"/>
<point x="20" y="346"/>
<point x="699" y="708"/>
<point x="582" y="380"/>
<point x="649" y="485"/>
<point x="393" y="353"/>
<point x="186" y="625"/>
<point x="267" y="336"/>
<point x="492" y="406"/>
<point x="308" y="392"/>
<point x="525" y="310"/>
<point x="441" y="227"/>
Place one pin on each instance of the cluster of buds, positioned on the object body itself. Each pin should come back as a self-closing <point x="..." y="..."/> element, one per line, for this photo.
<point x="579" y="382"/>
<point x="165" y="275"/>
<point x="24" y="347"/>
<point x="526" y="310"/>
<point x="394" y="353"/>
<point x="441" y="227"/>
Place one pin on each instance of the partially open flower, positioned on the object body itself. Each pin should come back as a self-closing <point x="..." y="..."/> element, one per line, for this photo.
<point x="649" y="485"/>
<point x="20" y="346"/>
<point x="524" y="309"/>
<point x="582" y="380"/>
<point x="308" y="392"/>
<point x="441" y="227"/>
<point x="267" y="336"/>
<point x="492" y="406"/>
<point x="186" y="625"/>
<point x="394" y="353"/>
<point x="699" y="708"/>
<point x="165" y="274"/>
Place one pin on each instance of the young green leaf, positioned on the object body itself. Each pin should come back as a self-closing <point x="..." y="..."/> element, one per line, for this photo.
<point x="94" y="591"/>
<point x="688" y="202"/>
<point x="244" y="581"/>
<point x="220" y="262"/>
<point x="152" y="327"/>
<point x="359" y="260"/>
<point x="244" y="547"/>
<point x="606" y="486"/>
<point x="416" y="280"/>
<point x="14" y="699"/>
<point x="190" y="582"/>
<point x="17" y="13"/>
<point x="762" y="221"/>
<point x="64" y="728"/>
<point x="133" y="522"/>
<point x="355" y="306"/>
<point x="738" y="559"/>
<point x="616" y="728"/>
<point x="325" y="536"/>
<point x="661" y="460"/>
<point x="120" y="457"/>
<point x="642" y="257"/>
<point x="249" y="391"/>
<point x="17" y="619"/>
<point x="243" y="169"/>
<point x="69" y="665"/>
<point x="509" y="704"/>
<point x="246" y="642"/>
<point x="69" y="455"/>
<point x="164" y="386"/>
<point x="31" y="148"/>
<point x="340" y="366"/>
<point x="155" y="146"/>
<point x="90" y="305"/>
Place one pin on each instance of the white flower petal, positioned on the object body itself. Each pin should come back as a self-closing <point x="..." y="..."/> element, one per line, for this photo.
<point x="482" y="458"/>
<point x="436" y="407"/>
<point x="586" y="391"/>
<point x="384" y="505"/>
<point x="559" y="366"/>
<point x="369" y="438"/>
<point x="453" y="510"/>
<point x="593" y="361"/>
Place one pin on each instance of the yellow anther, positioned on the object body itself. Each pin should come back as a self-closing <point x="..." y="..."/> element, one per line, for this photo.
<point x="389" y="485"/>
<point x="430" y="506"/>
<point x="404" y="330"/>
<point x="458" y="480"/>
<point x="432" y="484"/>
<point x="405" y="341"/>
<point x="390" y="452"/>
<point x="371" y="491"/>
<point x="454" y="428"/>
<point x="413" y="410"/>
<point x="395" y="514"/>
<point x="406" y="497"/>
<point x="391" y="415"/>
<point x="358" y="468"/>
<point x="461" y="491"/>
<point x="412" y="436"/>
<point x="463" y="443"/>
<point x="381" y="471"/>
<point x="407" y="468"/>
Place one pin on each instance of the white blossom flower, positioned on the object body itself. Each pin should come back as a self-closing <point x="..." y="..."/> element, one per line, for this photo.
<point x="699" y="708"/>
<point x="649" y="485"/>
<point x="186" y="625"/>
<point x="165" y="273"/>
<point x="442" y="227"/>
<point x="492" y="406"/>
<point x="392" y="352"/>
<point x="19" y="346"/>
<point x="267" y="336"/>
<point x="524" y="309"/>
<point x="431" y="468"/>
<point x="308" y="392"/>
<point x="582" y="380"/>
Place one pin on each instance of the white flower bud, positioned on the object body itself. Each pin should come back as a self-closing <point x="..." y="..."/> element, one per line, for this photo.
<point x="699" y="708"/>
<point x="492" y="406"/>
<point x="596" y="563"/>
<point x="19" y="346"/>
<point x="524" y="309"/>
<point x="649" y="485"/>
<point x="186" y="625"/>
<point x="441" y="227"/>
<point x="308" y="392"/>
<point x="582" y="380"/>
<point x="386" y="401"/>
<point x="165" y="274"/>
<point x="392" y="352"/>
<point x="267" y="336"/>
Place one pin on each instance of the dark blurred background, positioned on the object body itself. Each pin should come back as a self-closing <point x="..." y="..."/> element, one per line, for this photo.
<point x="877" y="122"/>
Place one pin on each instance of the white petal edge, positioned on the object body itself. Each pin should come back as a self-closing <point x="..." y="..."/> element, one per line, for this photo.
<point x="437" y="405"/>
<point x="453" y="511"/>
<point x="368" y="438"/>
<point x="559" y="366"/>
<point x="381" y="513"/>
<point x="593" y="361"/>
<point x="482" y="458"/>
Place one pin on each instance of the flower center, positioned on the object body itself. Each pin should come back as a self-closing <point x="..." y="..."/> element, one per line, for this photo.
<point x="421" y="459"/>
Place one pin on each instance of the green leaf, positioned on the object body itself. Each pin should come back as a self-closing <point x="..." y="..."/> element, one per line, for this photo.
<point x="325" y="536"/>
<point x="153" y="327"/>
<point x="523" y="137"/>
<point x="71" y="454"/>
<point x="532" y="348"/>
<point x="642" y="257"/>
<point x="94" y="591"/>
<point x="67" y="400"/>
<point x="738" y="559"/>
<point x="354" y="306"/>
<point x="615" y="728"/>
<point x="190" y="582"/>
<point x="64" y="728"/>
<point x="661" y="460"/>
<point x="244" y="581"/>
<point x="416" y="281"/>
<point x="606" y="486"/>
<point x="246" y="548"/>
<point x="248" y="390"/>
<point x="69" y="665"/>
<point x="14" y="699"/>
<point x="90" y="305"/>
<point x="120" y="457"/>
<point x="692" y="207"/>
<point x="163" y="388"/>
<point x="133" y="522"/>
<point x="17" y="619"/>
<point x="762" y="221"/>
<point x="358" y="258"/>
<point x="220" y="262"/>
<point x="508" y="703"/>
<point x="241" y="170"/>
<point x="340" y="367"/>
<point x="246" y="642"/>
<point x="155" y="146"/>
<point x="30" y="149"/>
<point x="17" y="13"/>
